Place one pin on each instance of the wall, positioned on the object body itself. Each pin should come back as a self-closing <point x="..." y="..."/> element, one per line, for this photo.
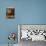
<point x="31" y="11"/>
<point x="27" y="12"/>
<point x="6" y="25"/>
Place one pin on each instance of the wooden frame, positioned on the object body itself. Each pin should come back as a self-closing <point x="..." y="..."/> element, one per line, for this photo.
<point x="10" y="13"/>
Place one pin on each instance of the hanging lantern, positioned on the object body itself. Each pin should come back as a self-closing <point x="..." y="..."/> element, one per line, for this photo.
<point x="12" y="36"/>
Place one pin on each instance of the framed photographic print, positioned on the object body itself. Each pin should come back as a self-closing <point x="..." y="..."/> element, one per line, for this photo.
<point x="32" y="32"/>
<point x="10" y="13"/>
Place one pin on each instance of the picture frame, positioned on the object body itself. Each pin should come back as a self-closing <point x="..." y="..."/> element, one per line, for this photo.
<point x="10" y="13"/>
